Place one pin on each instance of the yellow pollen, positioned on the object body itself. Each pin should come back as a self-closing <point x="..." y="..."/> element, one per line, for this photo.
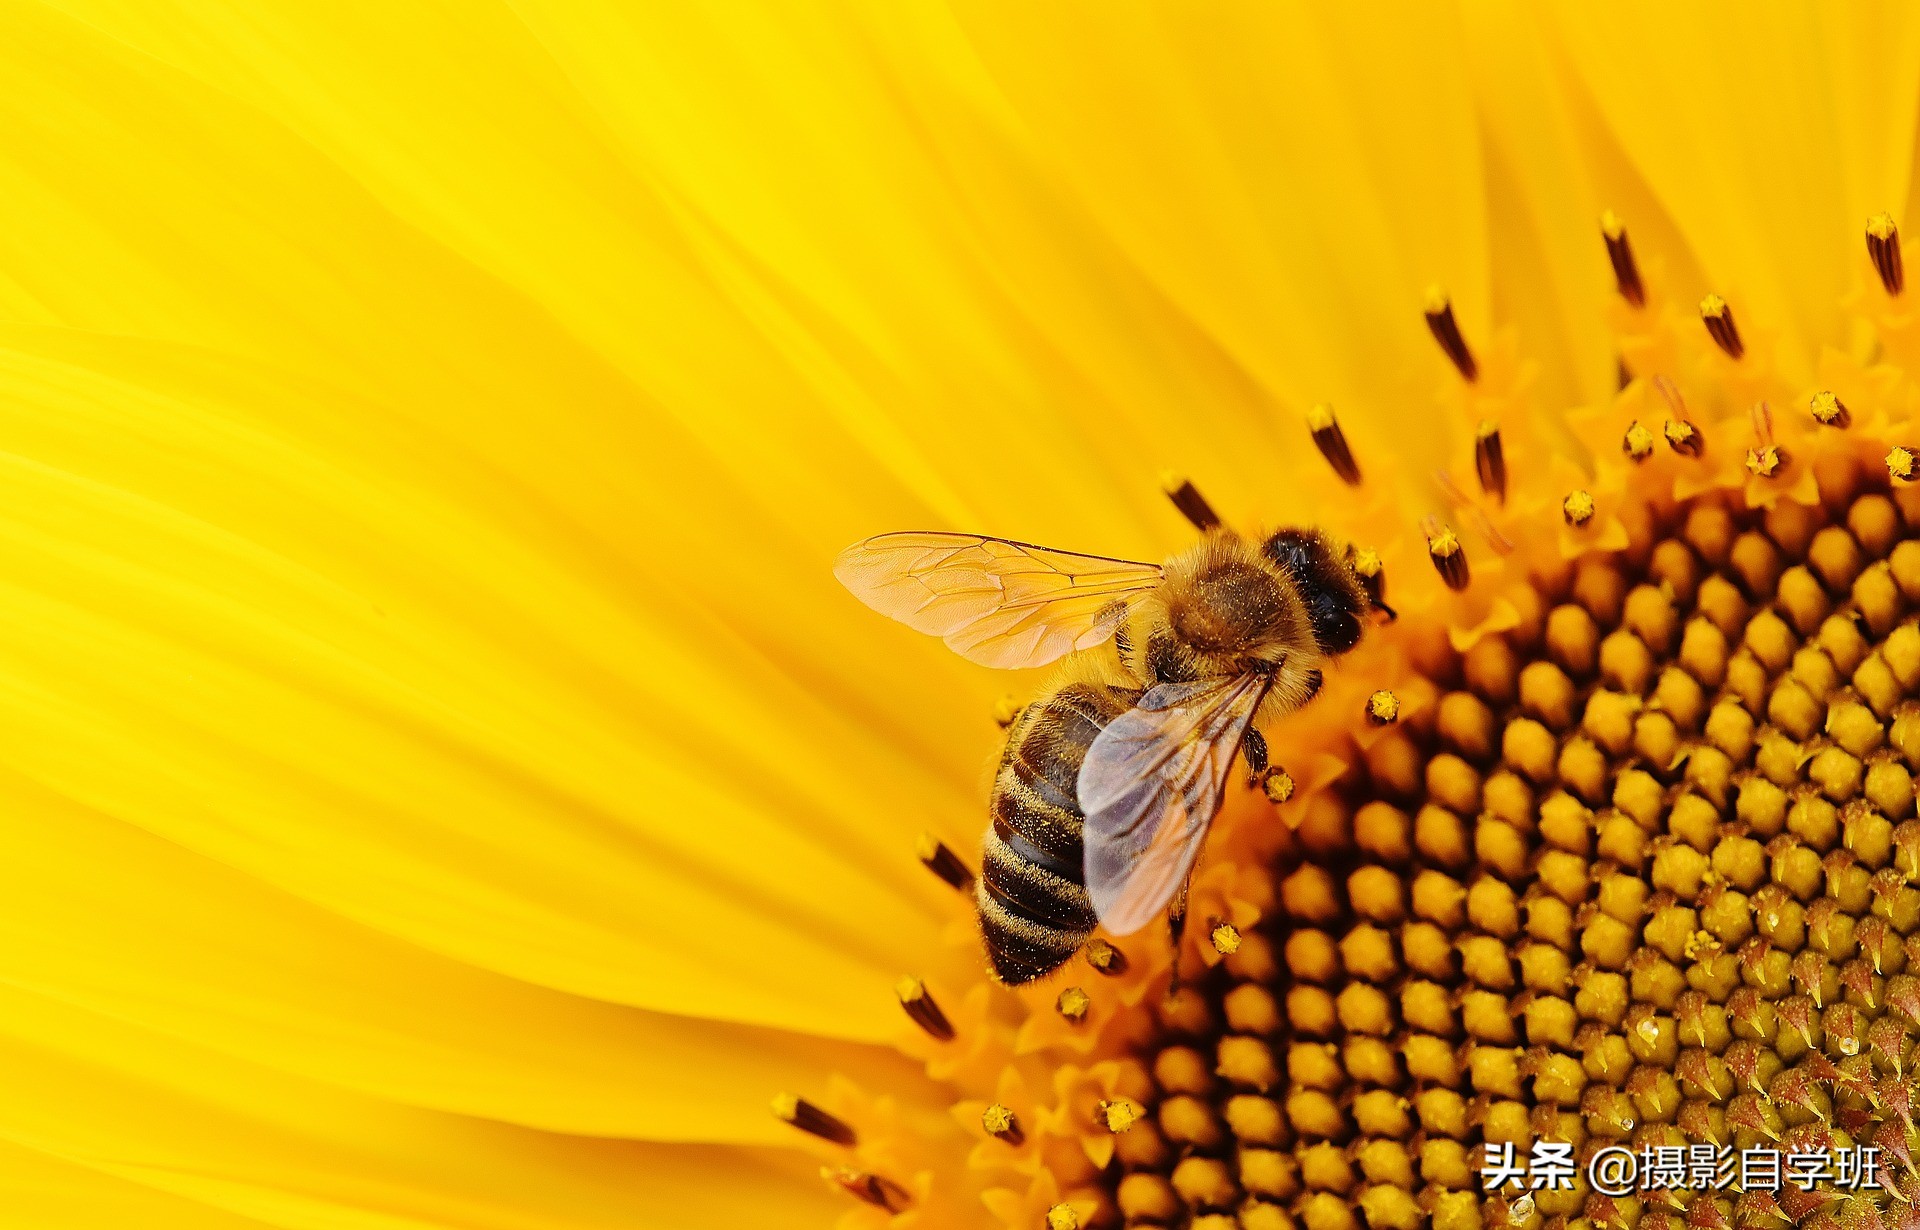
<point x="1763" y="462"/>
<point x="1383" y="707"/>
<point x="1577" y="508"/>
<point x="1118" y="1114"/>
<point x="1637" y="443"/>
<point x="1062" y="1217"/>
<point x="1436" y="300"/>
<point x="1712" y="306"/>
<point x="910" y="990"/>
<point x="1006" y="710"/>
<point x="786" y="1106"/>
<point x="1900" y="464"/>
<point x="1881" y="226"/>
<point x="1320" y="417"/>
<point x="1444" y="543"/>
<point x="1682" y="437"/>
<point x="1278" y="784"/>
<point x="1104" y="956"/>
<point x="1226" y="939"/>
<point x="1073" y="1004"/>
<point x="997" y="1120"/>
<point x="1828" y="410"/>
<point x="1366" y="562"/>
<point x="1611" y="226"/>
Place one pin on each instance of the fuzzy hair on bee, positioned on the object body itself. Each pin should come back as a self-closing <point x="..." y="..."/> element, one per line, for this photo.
<point x="1110" y="778"/>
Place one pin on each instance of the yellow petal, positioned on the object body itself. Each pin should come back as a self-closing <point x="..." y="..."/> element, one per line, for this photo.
<point x="1769" y="133"/>
<point x="290" y="1152"/>
<point x="105" y="917"/>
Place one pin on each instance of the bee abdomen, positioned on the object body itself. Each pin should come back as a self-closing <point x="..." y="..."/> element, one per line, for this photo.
<point x="1034" y="908"/>
<point x="1031" y="918"/>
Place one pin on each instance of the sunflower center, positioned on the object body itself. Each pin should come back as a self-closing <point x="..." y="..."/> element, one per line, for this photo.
<point x="1643" y="878"/>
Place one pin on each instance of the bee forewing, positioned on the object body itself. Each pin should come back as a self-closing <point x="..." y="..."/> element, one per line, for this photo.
<point x="994" y="601"/>
<point x="1150" y="787"/>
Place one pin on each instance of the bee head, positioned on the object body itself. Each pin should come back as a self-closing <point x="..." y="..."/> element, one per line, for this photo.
<point x="1223" y="610"/>
<point x="1335" y="599"/>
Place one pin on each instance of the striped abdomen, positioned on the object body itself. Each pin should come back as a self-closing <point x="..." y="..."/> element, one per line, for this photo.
<point x="1034" y="908"/>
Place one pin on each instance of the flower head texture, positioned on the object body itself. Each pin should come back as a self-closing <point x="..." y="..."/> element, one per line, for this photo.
<point x="443" y="784"/>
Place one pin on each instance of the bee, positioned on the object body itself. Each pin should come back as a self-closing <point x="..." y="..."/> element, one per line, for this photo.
<point x="1110" y="780"/>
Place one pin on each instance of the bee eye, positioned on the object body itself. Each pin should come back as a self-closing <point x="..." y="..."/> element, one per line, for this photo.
<point x="1335" y="628"/>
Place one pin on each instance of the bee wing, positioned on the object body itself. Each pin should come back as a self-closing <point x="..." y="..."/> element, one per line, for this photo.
<point x="1150" y="786"/>
<point x="994" y="601"/>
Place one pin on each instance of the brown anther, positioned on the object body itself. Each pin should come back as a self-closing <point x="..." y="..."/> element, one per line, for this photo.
<point x="1187" y="498"/>
<point x="1277" y="784"/>
<point x="937" y="857"/>
<point x="867" y="1187"/>
<point x="918" y="1002"/>
<point x="1902" y="464"/>
<point x="1383" y="707"/>
<point x="1637" y="444"/>
<point x="1490" y="460"/>
<point x="1446" y="331"/>
<point x="1626" y="274"/>
<point x="1104" y="957"/>
<point x="1332" y="443"/>
<point x="1002" y="1124"/>
<point x="1073" y="1004"/>
<point x="1829" y="411"/>
<point x="1883" y="247"/>
<point x="1449" y="556"/>
<point x="797" y="1111"/>
<point x="1683" y="437"/>
<point x="1117" y="1114"/>
<point x="1718" y="318"/>
<point x="1577" y="508"/>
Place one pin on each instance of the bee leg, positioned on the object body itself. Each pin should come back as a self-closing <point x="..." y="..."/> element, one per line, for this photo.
<point x="1390" y="613"/>
<point x="1254" y="746"/>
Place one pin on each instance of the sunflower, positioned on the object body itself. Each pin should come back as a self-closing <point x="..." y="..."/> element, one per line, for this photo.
<point x="445" y="787"/>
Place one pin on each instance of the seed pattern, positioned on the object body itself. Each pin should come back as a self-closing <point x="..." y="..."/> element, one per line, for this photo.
<point x="1655" y="886"/>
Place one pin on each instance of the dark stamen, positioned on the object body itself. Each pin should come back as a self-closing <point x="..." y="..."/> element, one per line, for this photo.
<point x="999" y="1122"/>
<point x="940" y="859"/>
<point x="809" y="1118"/>
<point x="1637" y="443"/>
<point x="871" y="1188"/>
<point x="1490" y="460"/>
<point x="1383" y="707"/>
<point x="1718" y="318"/>
<point x="1626" y="274"/>
<point x="1829" y="411"/>
<point x="1332" y="443"/>
<point x="1105" y="958"/>
<point x="1883" y="245"/>
<point x="1073" y="1004"/>
<point x="1765" y="458"/>
<point x="1449" y="557"/>
<point x="1446" y="331"/>
<point x="1684" y="438"/>
<point x="1192" y="505"/>
<point x="1372" y="573"/>
<point x="926" y="1014"/>
<point x="1903" y="463"/>
<point x="1577" y="508"/>
<point x="1277" y="783"/>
